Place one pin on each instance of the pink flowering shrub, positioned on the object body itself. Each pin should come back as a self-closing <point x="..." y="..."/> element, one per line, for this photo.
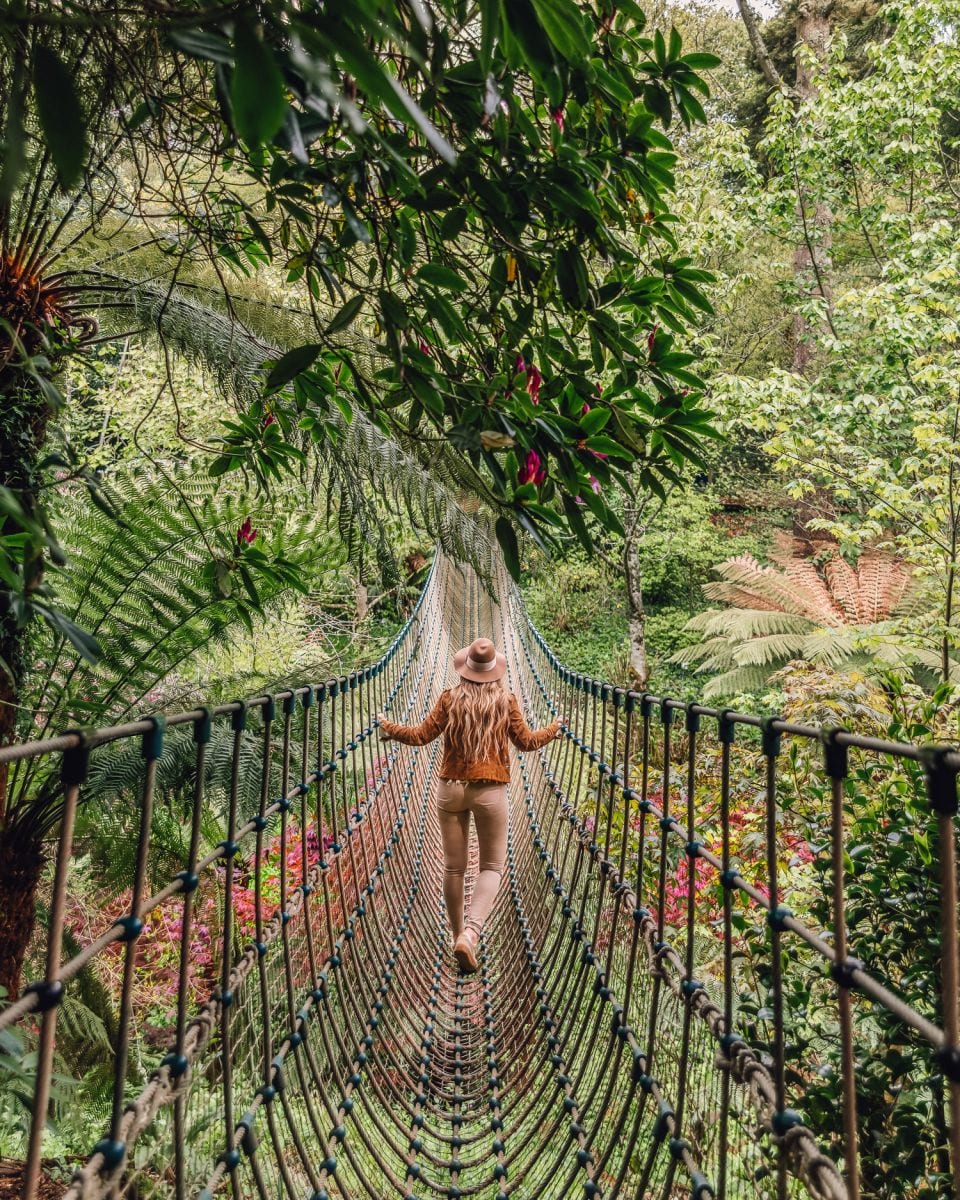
<point x="158" y="949"/>
<point x="747" y="822"/>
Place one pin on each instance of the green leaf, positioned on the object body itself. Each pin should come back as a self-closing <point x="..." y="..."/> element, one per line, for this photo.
<point x="250" y="586"/>
<point x="61" y="119"/>
<point x="702" y="62"/>
<point x="257" y="92"/>
<point x="14" y="137"/>
<point x="435" y="275"/>
<point x="291" y="365"/>
<point x="375" y="79"/>
<point x="84" y="643"/>
<point x="606" y="445"/>
<point x="563" y="25"/>
<point x="221" y="465"/>
<point x="657" y="100"/>
<point x="593" y="421"/>
<point x="577" y="523"/>
<point x="507" y="537"/>
<point x="572" y="276"/>
<point x="346" y="314"/>
<point x="489" y="27"/>
<point x="394" y="310"/>
<point x="453" y="224"/>
<point x="199" y="43"/>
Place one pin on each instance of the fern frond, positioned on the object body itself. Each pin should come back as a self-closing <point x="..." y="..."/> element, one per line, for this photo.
<point x="733" y="683"/>
<point x="846" y="584"/>
<point x="143" y="584"/>
<point x="811" y="606"/>
<point x="768" y="651"/>
<point x="365" y="467"/>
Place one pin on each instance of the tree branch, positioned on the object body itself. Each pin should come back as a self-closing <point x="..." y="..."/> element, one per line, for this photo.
<point x="770" y="72"/>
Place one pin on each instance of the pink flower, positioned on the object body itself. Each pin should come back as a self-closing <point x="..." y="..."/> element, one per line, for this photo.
<point x="652" y="337"/>
<point x="246" y="533"/>
<point x="595" y="484"/>
<point x="533" y="470"/>
<point x="267" y="421"/>
<point x="534" y="378"/>
<point x="556" y="115"/>
<point x="584" y="410"/>
<point x="424" y="347"/>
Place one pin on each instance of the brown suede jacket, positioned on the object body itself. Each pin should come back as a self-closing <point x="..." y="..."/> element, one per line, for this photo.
<point x="495" y="764"/>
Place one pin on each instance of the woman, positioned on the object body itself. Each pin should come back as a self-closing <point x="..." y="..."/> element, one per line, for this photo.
<point x="476" y="719"/>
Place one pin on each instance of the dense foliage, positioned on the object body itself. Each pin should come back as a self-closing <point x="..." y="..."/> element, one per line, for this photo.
<point x="288" y="297"/>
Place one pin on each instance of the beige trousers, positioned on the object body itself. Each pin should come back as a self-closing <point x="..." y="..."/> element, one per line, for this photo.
<point x="488" y="804"/>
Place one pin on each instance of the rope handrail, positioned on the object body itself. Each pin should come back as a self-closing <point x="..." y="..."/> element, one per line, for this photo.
<point x="941" y="765"/>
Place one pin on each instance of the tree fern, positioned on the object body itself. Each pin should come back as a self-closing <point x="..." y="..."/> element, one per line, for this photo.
<point x="141" y="581"/>
<point x="367" y="469"/>
<point x="810" y="605"/>
<point x="146" y="580"/>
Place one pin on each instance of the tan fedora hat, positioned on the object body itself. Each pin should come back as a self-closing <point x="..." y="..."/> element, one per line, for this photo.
<point x="479" y="662"/>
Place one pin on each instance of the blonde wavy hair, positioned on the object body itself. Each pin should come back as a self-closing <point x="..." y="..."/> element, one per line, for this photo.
<point x="478" y="716"/>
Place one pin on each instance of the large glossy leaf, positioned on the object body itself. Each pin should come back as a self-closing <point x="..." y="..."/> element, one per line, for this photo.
<point x="563" y="23"/>
<point x="60" y="115"/>
<point x="293" y="363"/>
<point x="256" y="90"/>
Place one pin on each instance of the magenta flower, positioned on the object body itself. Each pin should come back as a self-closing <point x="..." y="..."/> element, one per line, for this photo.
<point x="534" y="378"/>
<point x="595" y="484"/>
<point x="424" y="347"/>
<point x="246" y="533"/>
<point x="532" y="471"/>
<point x="652" y="337"/>
<point x="267" y="421"/>
<point x="556" y="115"/>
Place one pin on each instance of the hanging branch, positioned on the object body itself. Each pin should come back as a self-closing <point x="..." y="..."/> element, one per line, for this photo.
<point x="770" y="72"/>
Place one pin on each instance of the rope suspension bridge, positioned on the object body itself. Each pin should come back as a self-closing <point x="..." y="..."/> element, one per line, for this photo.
<point x="598" y="1051"/>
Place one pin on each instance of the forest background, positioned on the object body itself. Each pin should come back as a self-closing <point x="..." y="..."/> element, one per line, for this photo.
<point x="803" y="561"/>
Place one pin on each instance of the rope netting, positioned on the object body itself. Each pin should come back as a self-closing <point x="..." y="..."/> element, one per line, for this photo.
<point x="329" y="1048"/>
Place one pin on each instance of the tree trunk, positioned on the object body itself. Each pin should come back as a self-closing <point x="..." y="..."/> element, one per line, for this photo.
<point x="21" y="864"/>
<point x="639" y="664"/>
<point x="811" y="260"/>
<point x="23" y="429"/>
